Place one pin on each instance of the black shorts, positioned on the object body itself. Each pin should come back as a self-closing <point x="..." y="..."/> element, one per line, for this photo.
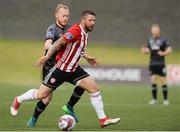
<point x="56" y="77"/>
<point x="46" y="68"/>
<point x="157" y="70"/>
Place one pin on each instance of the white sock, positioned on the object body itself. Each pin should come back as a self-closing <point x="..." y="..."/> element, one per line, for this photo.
<point x="29" y="95"/>
<point x="97" y="103"/>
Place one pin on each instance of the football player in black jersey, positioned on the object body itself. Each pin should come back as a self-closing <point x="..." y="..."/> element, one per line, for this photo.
<point x="158" y="47"/>
<point x="54" y="32"/>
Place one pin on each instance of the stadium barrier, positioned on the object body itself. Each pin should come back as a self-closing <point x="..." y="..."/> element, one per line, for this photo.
<point x="131" y="74"/>
<point x="122" y="74"/>
<point x="173" y="72"/>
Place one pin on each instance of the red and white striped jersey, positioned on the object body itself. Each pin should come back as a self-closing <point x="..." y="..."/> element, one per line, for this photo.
<point x="69" y="56"/>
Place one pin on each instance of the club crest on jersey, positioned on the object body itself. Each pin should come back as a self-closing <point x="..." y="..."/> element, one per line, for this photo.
<point x="53" y="80"/>
<point x="68" y="36"/>
<point x="50" y="34"/>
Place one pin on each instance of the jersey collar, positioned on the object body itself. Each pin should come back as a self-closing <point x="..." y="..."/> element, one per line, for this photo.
<point x="60" y="27"/>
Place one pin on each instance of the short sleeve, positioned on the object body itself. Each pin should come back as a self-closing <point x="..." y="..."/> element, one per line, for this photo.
<point x="72" y="34"/>
<point x="50" y="33"/>
<point x="166" y="43"/>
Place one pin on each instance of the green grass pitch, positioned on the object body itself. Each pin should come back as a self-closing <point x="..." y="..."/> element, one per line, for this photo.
<point x="130" y="102"/>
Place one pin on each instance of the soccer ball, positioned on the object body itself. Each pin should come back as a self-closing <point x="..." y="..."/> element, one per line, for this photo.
<point x="66" y="122"/>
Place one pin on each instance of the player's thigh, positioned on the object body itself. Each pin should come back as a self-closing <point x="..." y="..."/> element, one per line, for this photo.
<point x="163" y="80"/>
<point x="153" y="78"/>
<point x="162" y="74"/>
<point x="89" y="84"/>
<point x="81" y="78"/>
<point x="43" y="91"/>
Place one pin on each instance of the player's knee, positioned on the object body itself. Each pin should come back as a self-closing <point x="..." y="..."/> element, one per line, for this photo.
<point x="41" y="95"/>
<point x="89" y="84"/>
<point x="94" y="88"/>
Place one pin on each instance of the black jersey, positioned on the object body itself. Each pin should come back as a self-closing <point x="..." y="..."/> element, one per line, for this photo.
<point x="54" y="32"/>
<point x="155" y="45"/>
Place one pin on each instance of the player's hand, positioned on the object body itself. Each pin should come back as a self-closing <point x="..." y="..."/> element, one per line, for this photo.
<point x="161" y="53"/>
<point x="93" y="61"/>
<point x="145" y="50"/>
<point x="42" y="60"/>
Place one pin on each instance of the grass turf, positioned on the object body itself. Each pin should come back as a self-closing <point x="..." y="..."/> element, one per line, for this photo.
<point x="126" y="101"/>
<point x="18" y="74"/>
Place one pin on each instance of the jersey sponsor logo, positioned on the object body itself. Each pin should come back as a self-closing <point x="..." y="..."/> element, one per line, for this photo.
<point x="155" y="47"/>
<point x="68" y="36"/>
<point x="155" y="44"/>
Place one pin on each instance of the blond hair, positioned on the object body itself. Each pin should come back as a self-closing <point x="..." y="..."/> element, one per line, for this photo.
<point x="155" y="25"/>
<point x="59" y="6"/>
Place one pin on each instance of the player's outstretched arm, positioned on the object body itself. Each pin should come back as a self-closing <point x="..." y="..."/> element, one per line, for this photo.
<point x="52" y="49"/>
<point x="48" y="44"/>
<point x="168" y="50"/>
<point x="93" y="61"/>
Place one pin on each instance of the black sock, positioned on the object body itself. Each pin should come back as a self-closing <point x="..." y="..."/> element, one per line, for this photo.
<point x="154" y="91"/>
<point x="40" y="107"/>
<point x="165" y="91"/>
<point x="78" y="92"/>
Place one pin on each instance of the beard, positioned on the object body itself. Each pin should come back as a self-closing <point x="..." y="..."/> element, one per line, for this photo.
<point x="90" y="28"/>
